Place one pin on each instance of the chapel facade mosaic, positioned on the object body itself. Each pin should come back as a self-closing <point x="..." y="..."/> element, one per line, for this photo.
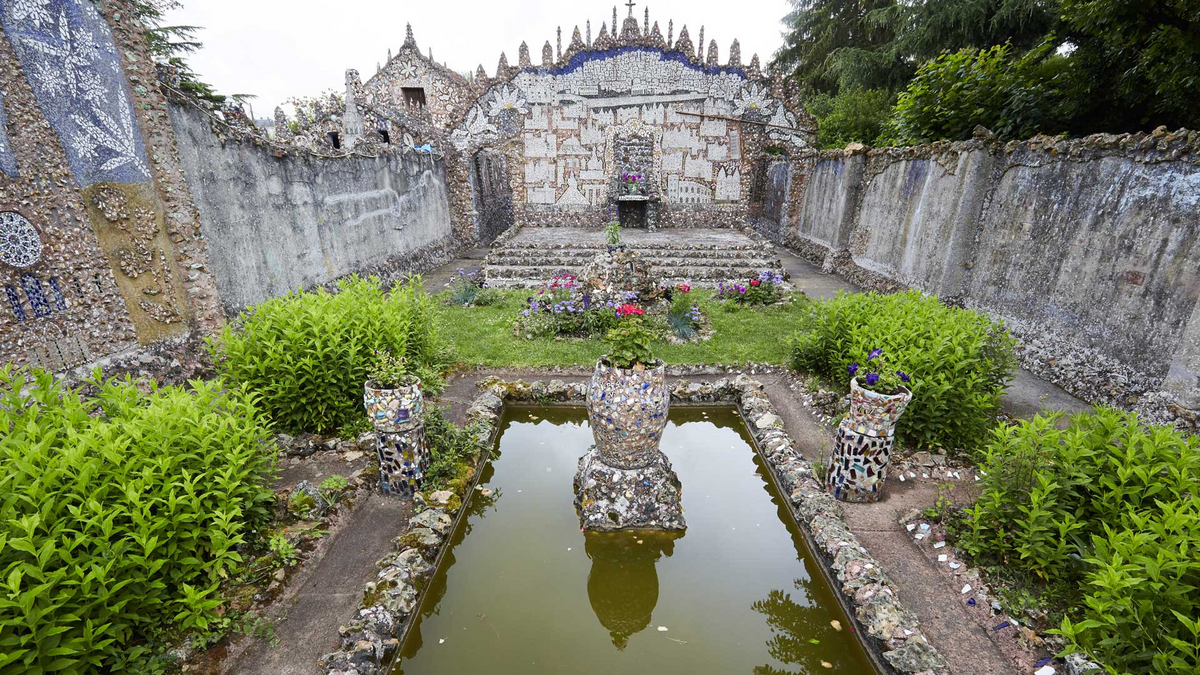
<point x="564" y="125"/>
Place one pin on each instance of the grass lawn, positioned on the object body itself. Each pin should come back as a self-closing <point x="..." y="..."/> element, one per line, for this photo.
<point x="484" y="335"/>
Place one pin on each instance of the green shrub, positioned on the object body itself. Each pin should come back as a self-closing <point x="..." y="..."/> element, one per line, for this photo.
<point x="452" y="450"/>
<point x="1104" y="514"/>
<point x="120" y="516"/>
<point x="959" y="361"/>
<point x="307" y="354"/>
<point x="852" y="115"/>
<point x="1015" y="97"/>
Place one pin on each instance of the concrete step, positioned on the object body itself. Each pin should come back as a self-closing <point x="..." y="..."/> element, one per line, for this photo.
<point x="573" y="262"/>
<point x="695" y="273"/>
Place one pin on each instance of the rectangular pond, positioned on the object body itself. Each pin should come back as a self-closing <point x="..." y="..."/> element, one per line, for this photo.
<point x="521" y="590"/>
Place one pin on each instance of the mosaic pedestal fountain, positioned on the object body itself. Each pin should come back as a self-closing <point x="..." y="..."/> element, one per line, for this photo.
<point x="862" y="449"/>
<point x="624" y="481"/>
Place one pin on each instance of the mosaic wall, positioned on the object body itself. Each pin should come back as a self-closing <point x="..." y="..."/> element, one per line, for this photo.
<point x="94" y="226"/>
<point x="445" y="93"/>
<point x="564" y="126"/>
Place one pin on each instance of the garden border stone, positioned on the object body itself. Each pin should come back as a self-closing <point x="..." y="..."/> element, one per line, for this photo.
<point x="889" y="631"/>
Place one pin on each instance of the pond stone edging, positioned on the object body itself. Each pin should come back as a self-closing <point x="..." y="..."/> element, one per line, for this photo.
<point x="371" y="640"/>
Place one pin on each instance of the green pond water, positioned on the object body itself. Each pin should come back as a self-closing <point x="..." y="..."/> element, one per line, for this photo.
<point x="523" y="591"/>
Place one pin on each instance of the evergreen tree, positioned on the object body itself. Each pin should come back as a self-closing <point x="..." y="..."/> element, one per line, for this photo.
<point x="172" y="43"/>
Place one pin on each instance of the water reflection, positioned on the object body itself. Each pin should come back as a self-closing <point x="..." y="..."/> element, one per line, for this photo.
<point x="793" y="626"/>
<point x="623" y="582"/>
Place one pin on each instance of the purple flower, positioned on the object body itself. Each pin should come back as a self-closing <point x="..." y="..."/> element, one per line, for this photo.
<point x="903" y="376"/>
<point x="875" y="353"/>
<point x="872" y="378"/>
<point x="853" y="369"/>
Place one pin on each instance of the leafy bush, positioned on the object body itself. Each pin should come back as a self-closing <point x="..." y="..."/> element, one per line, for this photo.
<point x="452" y="451"/>
<point x="684" y="316"/>
<point x="852" y="115"/>
<point x="307" y="354"/>
<point x="959" y="361"/>
<point x="120" y="515"/>
<point x="950" y="95"/>
<point x="1105" y="515"/>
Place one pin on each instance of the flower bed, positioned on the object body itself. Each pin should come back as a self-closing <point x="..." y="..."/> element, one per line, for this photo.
<point x="563" y="308"/>
<point x="765" y="289"/>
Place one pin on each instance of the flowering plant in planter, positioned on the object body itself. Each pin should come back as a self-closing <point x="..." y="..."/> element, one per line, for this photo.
<point x="764" y="289"/>
<point x="629" y="345"/>
<point x="878" y="375"/>
<point x="631" y="181"/>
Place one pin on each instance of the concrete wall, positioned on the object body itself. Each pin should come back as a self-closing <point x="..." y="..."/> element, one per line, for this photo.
<point x="277" y="224"/>
<point x="1089" y="249"/>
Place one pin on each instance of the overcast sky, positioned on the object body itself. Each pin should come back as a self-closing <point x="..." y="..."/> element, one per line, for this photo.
<point x="282" y="48"/>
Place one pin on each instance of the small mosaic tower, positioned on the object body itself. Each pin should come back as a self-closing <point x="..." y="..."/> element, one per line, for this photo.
<point x="399" y="421"/>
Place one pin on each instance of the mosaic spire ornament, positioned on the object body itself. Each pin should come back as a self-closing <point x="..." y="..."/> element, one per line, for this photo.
<point x="670" y="32"/>
<point x="712" y="54"/>
<point x="547" y="54"/>
<point x="558" y="45"/>
<point x="523" y="57"/>
<point x="409" y="41"/>
<point x="735" y="54"/>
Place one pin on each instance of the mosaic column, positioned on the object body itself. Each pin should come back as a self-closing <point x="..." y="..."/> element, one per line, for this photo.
<point x="859" y="464"/>
<point x="403" y="459"/>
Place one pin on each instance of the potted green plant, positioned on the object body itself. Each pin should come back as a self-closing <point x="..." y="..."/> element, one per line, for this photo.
<point x="392" y="394"/>
<point x="612" y="235"/>
<point x="880" y="397"/>
<point x="628" y="397"/>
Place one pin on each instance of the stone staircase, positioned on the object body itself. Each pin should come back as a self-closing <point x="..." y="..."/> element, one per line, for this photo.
<point x="700" y="261"/>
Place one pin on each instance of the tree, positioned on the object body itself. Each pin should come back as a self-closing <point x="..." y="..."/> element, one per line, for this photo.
<point x="819" y="31"/>
<point x="832" y="45"/>
<point x="1136" y="63"/>
<point x="172" y="43"/>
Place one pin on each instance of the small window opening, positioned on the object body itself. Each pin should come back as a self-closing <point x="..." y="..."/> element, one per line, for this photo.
<point x="387" y="138"/>
<point x="335" y="140"/>
<point x="413" y="96"/>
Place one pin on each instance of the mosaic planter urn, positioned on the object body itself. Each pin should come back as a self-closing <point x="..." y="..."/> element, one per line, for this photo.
<point x="627" y="411"/>
<point x="874" y="413"/>
<point x="863" y="446"/>
<point x="394" y="410"/>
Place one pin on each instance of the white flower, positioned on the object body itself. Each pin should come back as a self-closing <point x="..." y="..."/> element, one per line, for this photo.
<point x="507" y="99"/>
<point x="753" y="99"/>
<point x="36" y="12"/>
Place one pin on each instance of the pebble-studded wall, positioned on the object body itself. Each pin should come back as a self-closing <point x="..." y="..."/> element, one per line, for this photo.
<point x="98" y="244"/>
<point x="567" y="127"/>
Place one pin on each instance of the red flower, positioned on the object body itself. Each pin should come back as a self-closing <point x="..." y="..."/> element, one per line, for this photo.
<point x="683" y="288"/>
<point x="755" y="282"/>
<point x="630" y="310"/>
